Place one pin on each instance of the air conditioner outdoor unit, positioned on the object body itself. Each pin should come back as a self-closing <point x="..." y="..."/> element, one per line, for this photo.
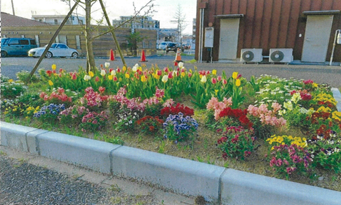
<point x="281" y="55"/>
<point x="251" y="55"/>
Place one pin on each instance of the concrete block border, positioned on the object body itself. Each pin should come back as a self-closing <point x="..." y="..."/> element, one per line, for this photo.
<point x="216" y="184"/>
<point x="337" y="97"/>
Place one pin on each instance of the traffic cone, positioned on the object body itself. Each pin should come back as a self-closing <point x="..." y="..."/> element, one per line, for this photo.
<point x="112" y="56"/>
<point x="178" y="56"/>
<point x="143" y="57"/>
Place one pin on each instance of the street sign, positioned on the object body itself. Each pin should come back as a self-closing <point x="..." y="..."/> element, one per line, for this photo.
<point x="209" y="37"/>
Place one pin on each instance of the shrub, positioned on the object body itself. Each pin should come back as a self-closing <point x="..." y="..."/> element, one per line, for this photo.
<point x="11" y="89"/>
<point x="23" y="76"/>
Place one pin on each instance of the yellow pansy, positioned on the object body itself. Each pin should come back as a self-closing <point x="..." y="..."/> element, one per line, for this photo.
<point x="50" y="83"/>
<point x="54" y="66"/>
<point x="315" y="85"/>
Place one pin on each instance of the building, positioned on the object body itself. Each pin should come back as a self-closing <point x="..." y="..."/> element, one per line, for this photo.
<point x="58" y="19"/>
<point x="306" y="26"/>
<point x="140" y="22"/>
<point x="194" y="32"/>
<point x="73" y="36"/>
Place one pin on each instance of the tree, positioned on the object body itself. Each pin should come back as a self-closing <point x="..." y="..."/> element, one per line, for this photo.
<point x="133" y="39"/>
<point x="147" y="8"/>
<point x="179" y="19"/>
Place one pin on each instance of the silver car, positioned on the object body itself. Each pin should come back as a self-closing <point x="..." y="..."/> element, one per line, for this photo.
<point x="56" y="50"/>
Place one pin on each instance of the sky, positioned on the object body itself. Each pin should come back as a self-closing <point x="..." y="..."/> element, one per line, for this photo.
<point x="164" y="9"/>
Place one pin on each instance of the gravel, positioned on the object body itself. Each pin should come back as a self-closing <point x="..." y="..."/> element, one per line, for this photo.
<point x="23" y="183"/>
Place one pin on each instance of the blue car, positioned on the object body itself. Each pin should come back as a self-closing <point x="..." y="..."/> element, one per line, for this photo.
<point x="16" y="46"/>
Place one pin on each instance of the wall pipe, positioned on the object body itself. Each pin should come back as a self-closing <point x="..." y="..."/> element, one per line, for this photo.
<point x="201" y="32"/>
<point x="334" y="44"/>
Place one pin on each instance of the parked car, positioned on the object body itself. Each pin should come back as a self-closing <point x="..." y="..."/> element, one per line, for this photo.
<point x="16" y="46"/>
<point x="163" y="46"/>
<point x="56" y="50"/>
<point x="173" y="47"/>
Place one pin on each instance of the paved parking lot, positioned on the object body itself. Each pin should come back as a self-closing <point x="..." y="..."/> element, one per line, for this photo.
<point x="318" y="73"/>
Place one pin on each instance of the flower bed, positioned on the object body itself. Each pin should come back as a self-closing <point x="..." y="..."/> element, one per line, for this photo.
<point x="270" y="126"/>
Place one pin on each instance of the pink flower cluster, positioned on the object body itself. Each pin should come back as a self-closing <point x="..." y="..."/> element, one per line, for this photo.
<point x="217" y="106"/>
<point x="60" y="95"/>
<point x="93" y="117"/>
<point x="267" y="117"/>
<point x="132" y="104"/>
<point x="80" y="110"/>
<point x="159" y="94"/>
<point x="168" y="103"/>
<point x="92" y="98"/>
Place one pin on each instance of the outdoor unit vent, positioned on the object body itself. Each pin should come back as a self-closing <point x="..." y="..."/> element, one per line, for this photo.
<point x="281" y="55"/>
<point x="251" y="55"/>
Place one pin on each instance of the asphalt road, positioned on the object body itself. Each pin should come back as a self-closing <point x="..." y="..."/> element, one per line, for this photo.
<point x="317" y="73"/>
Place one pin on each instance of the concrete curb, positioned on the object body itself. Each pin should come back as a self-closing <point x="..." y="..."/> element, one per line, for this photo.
<point x="217" y="184"/>
<point x="337" y="97"/>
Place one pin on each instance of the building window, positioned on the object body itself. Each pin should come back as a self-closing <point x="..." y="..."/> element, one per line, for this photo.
<point x="56" y="21"/>
<point x="22" y="36"/>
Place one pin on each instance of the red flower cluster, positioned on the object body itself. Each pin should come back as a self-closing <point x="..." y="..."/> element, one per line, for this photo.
<point x="323" y="131"/>
<point x="150" y="123"/>
<point x="305" y="95"/>
<point x="237" y="114"/>
<point x="174" y="110"/>
<point x="327" y="103"/>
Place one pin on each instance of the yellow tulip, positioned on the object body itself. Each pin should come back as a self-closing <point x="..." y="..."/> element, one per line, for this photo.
<point x="203" y="79"/>
<point x="110" y="77"/>
<point x="91" y="74"/>
<point x="143" y="79"/>
<point x="124" y="68"/>
<point x="127" y="75"/>
<point x="54" y="66"/>
<point x="50" y="83"/>
<point x="214" y="72"/>
<point x="140" y="68"/>
<point x="234" y="75"/>
<point x="237" y="82"/>
<point x="183" y="74"/>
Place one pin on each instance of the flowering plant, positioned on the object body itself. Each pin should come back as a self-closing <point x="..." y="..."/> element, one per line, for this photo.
<point x="149" y="124"/>
<point x="59" y="97"/>
<point x="12" y="89"/>
<point x="179" y="127"/>
<point x="126" y="118"/>
<point x="186" y="111"/>
<point x="286" y="140"/>
<point x="94" y="100"/>
<point x="236" y="142"/>
<point x="93" y="121"/>
<point x="288" y="159"/>
<point x="326" y="152"/>
<point x="49" y="113"/>
<point x="237" y="114"/>
<point x="73" y="114"/>
<point x="265" y="120"/>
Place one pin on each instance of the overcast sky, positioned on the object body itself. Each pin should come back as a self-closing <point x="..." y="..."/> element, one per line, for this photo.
<point x="165" y="9"/>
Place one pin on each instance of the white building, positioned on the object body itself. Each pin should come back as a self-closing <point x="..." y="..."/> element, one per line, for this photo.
<point x="57" y="19"/>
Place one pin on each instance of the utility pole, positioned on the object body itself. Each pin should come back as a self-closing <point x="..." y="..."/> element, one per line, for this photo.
<point x="13" y="8"/>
